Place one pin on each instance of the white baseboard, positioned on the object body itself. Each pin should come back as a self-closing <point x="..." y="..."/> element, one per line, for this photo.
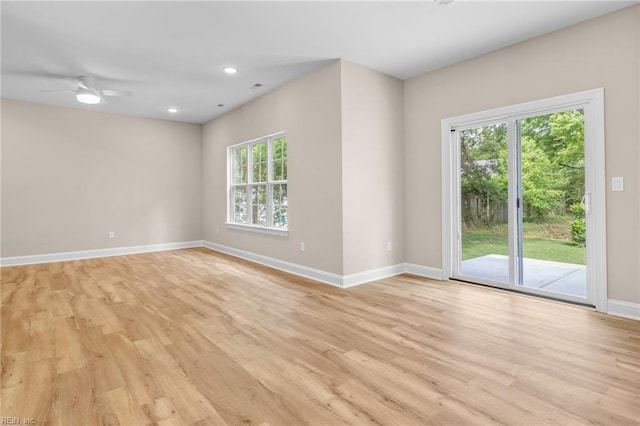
<point x="336" y="280"/>
<point x="623" y="309"/>
<point x="424" y="271"/>
<point x="91" y="254"/>
<point x="292" y="268"/>
<point x="352" y="280"/>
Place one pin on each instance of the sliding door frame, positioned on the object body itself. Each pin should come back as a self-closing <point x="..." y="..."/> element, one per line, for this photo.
<point x="592" y="103"/>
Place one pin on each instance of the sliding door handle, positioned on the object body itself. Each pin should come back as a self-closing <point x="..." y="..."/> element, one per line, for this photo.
<point x="586" y="202"/>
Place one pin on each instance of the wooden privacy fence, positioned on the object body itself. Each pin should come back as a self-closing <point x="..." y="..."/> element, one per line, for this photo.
<point x="480" y="210"/>
<point x="483" y="211"/>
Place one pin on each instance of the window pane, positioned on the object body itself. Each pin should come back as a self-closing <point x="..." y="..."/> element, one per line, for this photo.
<point x="259" y="204"/>
<point x="240" y="165"/>
<point x="279" y="196"/>
<point x="277" y="169"/>
<point x="260" y="162"/>
<point x="240" y="204"/>
<point x="280" y="217"/>
<point x="279" y="158"/>
<point x="279" y="206"/>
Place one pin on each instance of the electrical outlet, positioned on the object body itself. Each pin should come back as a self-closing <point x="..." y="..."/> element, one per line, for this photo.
<point x="112" y="235"/>
<point x="389" y="246"/>
<point x="301" y="246"/>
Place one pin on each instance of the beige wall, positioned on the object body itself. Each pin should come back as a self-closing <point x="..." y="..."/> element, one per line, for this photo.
<point x="372" y="178"/>
<point x="308" y="109"/>
<point x="71" y="176"/>
<point x="344" y="126"/>
<point x="599" y="53"/>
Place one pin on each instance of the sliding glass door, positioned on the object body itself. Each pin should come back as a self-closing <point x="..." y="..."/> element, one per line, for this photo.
<point x="483" y="209"/>
<point x="520" y="203"/>
<point x="552" y="226"/>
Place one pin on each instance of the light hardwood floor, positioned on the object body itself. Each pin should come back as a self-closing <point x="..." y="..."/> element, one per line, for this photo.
<point x="195" y="337"/>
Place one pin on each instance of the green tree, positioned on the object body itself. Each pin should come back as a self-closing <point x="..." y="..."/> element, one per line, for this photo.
<point x="552" y="159"/>
<point x="561" y="137"/>
<point x="483" y="155"/>
<point x="541" y="183"/>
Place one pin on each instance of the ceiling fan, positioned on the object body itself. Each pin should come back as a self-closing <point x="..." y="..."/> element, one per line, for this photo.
<point x="87" y="93"/>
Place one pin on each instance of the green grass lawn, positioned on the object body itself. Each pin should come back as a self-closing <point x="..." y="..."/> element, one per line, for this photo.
<point x="478" y="242"/>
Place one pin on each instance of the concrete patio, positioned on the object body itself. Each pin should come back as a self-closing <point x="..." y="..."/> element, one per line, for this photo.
<point x="557" y="277"/>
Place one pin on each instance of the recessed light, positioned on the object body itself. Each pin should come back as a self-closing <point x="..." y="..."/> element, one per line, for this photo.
<point x="172" y="110"/>
<point x="230" y="70"/>
<point x="256" y="86"/>
<point x="220" y="105"/>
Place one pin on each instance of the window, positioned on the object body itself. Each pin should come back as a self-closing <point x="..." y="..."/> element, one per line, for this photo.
<point x="258" y="183"/>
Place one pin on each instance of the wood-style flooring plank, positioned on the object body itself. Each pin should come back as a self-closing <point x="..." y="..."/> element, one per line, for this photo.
<point x="194" y="337"/>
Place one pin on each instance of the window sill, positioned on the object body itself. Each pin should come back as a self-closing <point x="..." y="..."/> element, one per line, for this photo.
<point x="257" y="229"/>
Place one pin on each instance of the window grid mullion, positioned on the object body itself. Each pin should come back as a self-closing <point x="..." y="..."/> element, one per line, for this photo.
<point x="269" y="185"/>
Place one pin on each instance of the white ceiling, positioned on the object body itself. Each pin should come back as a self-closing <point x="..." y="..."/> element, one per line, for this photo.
<point x="171" y="53"/>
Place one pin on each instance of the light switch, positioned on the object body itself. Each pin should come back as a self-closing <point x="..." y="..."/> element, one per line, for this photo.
<point x="617" y="184"/>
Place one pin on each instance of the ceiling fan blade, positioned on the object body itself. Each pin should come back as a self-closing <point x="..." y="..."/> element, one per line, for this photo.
<point x="60" y="91"/>
<point x="115" y="93"/>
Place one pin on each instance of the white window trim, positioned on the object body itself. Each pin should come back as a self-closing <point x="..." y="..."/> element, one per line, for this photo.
<point x="251" y="227"/>
<point x="592" y="102"/>
<point x="280" y="232"/>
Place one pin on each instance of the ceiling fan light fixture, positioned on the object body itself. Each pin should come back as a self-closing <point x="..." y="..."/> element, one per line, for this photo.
<point x="230" y="69"/>
<point x="88" y="98"/>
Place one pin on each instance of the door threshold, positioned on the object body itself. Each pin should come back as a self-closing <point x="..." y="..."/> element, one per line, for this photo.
<point x="524" y="293"/>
